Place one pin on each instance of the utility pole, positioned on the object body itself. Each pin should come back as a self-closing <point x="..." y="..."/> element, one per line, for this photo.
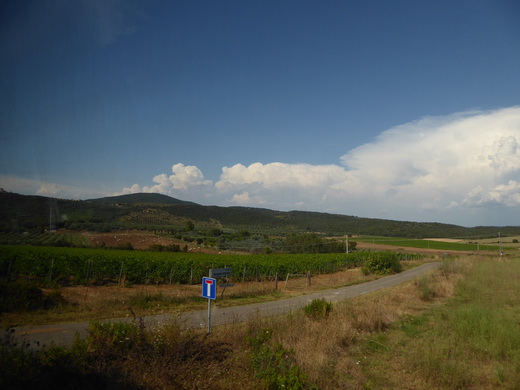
<point x="346" y="243"/>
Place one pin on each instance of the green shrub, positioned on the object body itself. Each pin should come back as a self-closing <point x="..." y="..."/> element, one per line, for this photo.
<point x="50" y="368"/>
<point x="21" y="295"/>
<point x="276" y="365"/>
<point x="127" y="246"/>
<point x="113" y="336"/>
<point x="117" y="355"/>
<point x="382" y="263"/>
<point x="318" y="309"/>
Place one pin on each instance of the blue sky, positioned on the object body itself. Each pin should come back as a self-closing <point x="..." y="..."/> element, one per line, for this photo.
<point x="406" y="110"/>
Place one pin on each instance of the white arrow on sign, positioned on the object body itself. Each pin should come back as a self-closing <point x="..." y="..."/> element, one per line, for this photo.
<point x="209" y="283"/>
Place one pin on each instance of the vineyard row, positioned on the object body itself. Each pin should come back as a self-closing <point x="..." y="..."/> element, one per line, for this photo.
<point x="72" y="266"/>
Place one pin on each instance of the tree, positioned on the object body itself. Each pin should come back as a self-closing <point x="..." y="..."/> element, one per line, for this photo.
<point x="189" y="225"/>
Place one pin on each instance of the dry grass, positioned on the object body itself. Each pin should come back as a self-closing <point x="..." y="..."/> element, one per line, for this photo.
<point x="397" y="339"/>
<point x="332" y="352"/>
<point x="103" y="302"/>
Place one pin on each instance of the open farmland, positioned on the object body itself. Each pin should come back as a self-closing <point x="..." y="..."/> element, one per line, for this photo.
<point x="447" y="245"/>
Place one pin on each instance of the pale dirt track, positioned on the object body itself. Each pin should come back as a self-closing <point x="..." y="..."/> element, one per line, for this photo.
<point x="64" y="334"/>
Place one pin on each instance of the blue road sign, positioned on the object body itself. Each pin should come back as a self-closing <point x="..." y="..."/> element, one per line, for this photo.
<point x="209" y="288"/>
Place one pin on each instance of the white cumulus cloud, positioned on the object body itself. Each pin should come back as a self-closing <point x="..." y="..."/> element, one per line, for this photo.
<point x="184" y="178"/>
<point x="49" y="189"/>
<point x="447" y="169"/>
<point x="279" y="185"/>
<point x="437" y="164"/>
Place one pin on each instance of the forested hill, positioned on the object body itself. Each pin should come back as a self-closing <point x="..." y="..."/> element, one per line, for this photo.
<point x="161" y="212"/>
<point x="142" y="198"/>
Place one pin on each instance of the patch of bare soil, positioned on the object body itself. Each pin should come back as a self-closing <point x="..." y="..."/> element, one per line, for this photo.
<point x="138" y="239"/>
<point x="444" y="239"/>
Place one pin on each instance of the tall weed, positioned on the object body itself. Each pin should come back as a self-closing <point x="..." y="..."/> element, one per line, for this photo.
<point x="274" y="364"/>
<point x="425" y="290"/>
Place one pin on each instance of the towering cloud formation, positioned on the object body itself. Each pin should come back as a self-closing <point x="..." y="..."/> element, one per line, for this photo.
<point x="437" y="168"/>
<point x="440" y="162"/>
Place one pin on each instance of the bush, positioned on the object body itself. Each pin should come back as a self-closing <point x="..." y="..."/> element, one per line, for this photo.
<point x="382" y="263"/>
<point x="115" y="355"/>
<point x="164" y="248"/>
<point x="52" y="368"/>
<point x="318" y="309"/>
<point x="127" y="246"/>
<point x="113" y="337"/>
<point x="20" y="295"/>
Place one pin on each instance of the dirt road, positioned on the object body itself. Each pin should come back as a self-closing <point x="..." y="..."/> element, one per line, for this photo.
<point x="63" y="334"/>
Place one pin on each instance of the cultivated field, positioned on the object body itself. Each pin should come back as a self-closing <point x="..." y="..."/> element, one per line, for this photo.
<point x="454" y="328"/>
<point x="431" y="246"/>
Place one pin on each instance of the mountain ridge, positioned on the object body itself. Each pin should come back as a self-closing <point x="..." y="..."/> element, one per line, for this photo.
<point x="141" y="197"/>
<point x="158" y="212"/>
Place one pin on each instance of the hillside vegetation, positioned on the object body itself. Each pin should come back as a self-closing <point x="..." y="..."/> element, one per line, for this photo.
<point x="160" y="212"/>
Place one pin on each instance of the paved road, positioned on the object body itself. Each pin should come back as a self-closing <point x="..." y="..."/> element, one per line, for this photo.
<point x="63" y="334"/>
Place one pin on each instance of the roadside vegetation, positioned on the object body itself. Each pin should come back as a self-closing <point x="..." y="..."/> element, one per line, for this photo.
<point x="470" y="342"/>
<point x="454" y="328"/>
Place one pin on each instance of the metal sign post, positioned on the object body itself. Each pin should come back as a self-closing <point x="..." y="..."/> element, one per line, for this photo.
<point x="209" y="316"/>
<point x="209" y="287"/>
<point x="209" y="290"/>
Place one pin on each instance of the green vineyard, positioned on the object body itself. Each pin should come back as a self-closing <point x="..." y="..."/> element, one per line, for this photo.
<point x="72" y="266"/>
<point x="44" y="239"/>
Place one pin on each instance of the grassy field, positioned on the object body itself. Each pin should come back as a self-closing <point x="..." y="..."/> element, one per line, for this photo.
<point x="471" y="342"/>
<point x="454" y="329"/>
<point x="508" y="242"/>
<point x="447" y="245"/>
